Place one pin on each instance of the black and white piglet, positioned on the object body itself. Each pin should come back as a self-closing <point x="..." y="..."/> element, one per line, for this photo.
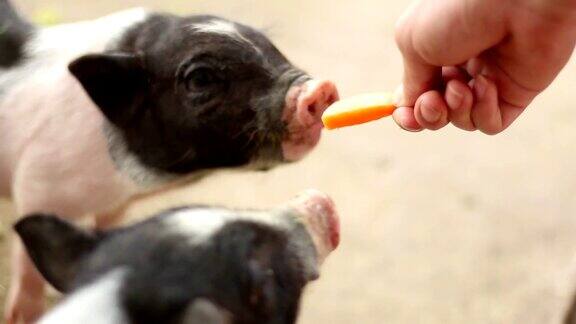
<point x="186" y="265"/>
<point x="101" y="109"/>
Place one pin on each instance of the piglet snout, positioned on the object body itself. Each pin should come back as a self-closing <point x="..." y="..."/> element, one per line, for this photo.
<point x="305" y="104"/>
<point x="318" y="214"/>
<point x="313" y="100"/>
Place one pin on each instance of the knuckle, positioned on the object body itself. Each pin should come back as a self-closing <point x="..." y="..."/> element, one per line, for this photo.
<point x="429" y="52"/>
<point x="402" y="36"/>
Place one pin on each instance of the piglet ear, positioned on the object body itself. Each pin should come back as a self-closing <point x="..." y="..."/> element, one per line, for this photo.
<point x="56" y="247"/>
<point x="116" y="82"/>
<point x="203" y="311"/>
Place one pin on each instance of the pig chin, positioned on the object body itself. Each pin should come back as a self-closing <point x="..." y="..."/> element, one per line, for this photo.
<point x="300" y="141"/>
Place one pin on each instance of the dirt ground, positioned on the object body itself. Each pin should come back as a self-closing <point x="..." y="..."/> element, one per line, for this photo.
<point x="444" y="227"/>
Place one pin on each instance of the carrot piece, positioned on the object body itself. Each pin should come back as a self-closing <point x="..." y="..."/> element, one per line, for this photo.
<point x="358" y="109"/>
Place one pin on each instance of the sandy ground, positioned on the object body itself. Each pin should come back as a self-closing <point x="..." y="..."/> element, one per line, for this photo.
<point x="445" y="227"/>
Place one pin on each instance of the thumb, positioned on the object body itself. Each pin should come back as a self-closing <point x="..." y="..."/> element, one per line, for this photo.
<point x="418" y="78"/>
<point x="432" y="34"/>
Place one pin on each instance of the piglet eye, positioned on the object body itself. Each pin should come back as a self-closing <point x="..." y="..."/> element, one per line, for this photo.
<point x="202" y="78"/>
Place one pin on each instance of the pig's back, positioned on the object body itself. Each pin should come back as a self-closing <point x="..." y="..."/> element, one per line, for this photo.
<point x="50" y="131"/>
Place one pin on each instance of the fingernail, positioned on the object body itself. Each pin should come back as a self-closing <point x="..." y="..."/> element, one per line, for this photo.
<point x="479" y="86"/>
<point x="406" y="126"/>
<point x="411" y="130"/>
<point x="404" y="122"/>
<point x="430" y="114"/>
<point x="454" y="98"/>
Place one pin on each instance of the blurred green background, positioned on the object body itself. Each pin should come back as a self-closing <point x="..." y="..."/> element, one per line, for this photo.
<point x="443" y="227"/>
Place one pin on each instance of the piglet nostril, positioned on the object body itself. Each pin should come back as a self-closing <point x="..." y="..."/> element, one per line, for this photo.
<point x="331" y="99"/>
<point x="312" y="109"/>
<point x="314" y="99"/>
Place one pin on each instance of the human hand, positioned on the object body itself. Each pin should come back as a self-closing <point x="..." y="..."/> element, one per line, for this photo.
<point x="479" y="63"/>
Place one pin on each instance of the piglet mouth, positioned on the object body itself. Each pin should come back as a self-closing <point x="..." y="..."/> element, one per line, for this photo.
<point x="305" y="104"/>
<point x="320" y="217"/>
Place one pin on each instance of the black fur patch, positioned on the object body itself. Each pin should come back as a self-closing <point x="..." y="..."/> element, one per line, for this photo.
<point x="245" y="269"/>
<point x="14" y="32"/>
<point x="55" y="246"/>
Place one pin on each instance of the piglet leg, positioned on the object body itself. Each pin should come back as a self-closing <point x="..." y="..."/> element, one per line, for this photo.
<point x="25" y="301"/>
<point x="32" y="193"/>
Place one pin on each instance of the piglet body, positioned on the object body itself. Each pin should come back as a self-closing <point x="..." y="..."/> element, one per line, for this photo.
<point x="51" y="132"/>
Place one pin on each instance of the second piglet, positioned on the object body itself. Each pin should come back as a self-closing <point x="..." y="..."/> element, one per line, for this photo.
<point x="187" y="265"/>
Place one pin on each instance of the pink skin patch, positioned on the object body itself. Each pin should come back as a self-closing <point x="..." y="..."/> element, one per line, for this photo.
<point x="320" y="218"/>
<point x="303" y="112"/>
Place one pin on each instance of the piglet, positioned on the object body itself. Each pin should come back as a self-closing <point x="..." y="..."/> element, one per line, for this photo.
<point x="196" y="264"/>
<point x="94" y="112"/>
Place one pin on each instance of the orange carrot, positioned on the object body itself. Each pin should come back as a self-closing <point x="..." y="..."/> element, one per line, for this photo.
<point x="358" y="109"/>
